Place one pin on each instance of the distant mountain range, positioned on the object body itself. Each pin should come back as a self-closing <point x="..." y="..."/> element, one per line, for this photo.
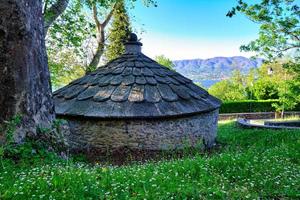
<point x="212" y="70"/>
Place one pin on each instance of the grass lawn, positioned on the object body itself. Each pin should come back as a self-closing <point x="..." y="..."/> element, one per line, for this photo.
<point x="252" y="164"/>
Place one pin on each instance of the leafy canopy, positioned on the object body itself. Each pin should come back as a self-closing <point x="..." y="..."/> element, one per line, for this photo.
<point x="118" y="32"/>
<point x="71" y="39"/>
<point x="266" y="82"/>
<point x="230" y="90"/>
<point x="163" y="60"/>
<point x="279" y="26"/>
<point x="279" y="35"/>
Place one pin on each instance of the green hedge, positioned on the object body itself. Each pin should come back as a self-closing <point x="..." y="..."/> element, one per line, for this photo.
<point x="250" y="106"/>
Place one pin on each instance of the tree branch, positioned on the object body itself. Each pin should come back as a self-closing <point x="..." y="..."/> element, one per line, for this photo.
<point x="54" y="12"/>
<point x="293" y="35"/>
<point x="291" y="47"/>
<point x="287" y="48"/>
<point x="95" y="16"/>
<point x="100" y="26"/>
<point x="108" y="17"/>
<point x="45" y="6"/>
<point x="296" y="37"/>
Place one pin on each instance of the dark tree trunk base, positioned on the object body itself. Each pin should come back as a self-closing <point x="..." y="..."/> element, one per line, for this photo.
<point x="24" y="76"/>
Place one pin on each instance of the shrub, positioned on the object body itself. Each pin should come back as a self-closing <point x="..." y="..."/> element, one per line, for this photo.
<point x="250" y="106"/>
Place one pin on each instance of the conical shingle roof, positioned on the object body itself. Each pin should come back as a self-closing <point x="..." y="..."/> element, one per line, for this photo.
<point x="133" y="86"/>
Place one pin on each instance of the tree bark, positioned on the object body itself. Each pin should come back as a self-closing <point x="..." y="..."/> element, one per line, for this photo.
<point x="54" y="12"/>
<point x="99" y="51"/>
<point x="24" y="76"/>
<point x="100" y="38"/>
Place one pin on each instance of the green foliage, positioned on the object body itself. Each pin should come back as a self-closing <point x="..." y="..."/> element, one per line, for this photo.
<point x="266" y="81"/>
<point x="293" y="67"/>
<point x="252" y="164"/>
<point x="270" y="81"/>
<point x="66" y="49"/>
<point x="164" y="61"/>
<point x="47" y="12"/>
<point x="253" y="106"/>
<point x="76" y="31"/>
<point x="278" y="36"/>
<point x="281" y="84"/>
<point x="33" y="148"/>
<point x="265" y="89"/>
<point x="64" y="68"/>
<point x="227" y="91"/>
<point x="291" y="91"/>
<point x="288" y="98"/>
<point x="279" y="26"/>
<point x="247" y="106"/>
<point x="8" y="129"/>
<point x="230" y="90"/>
<point x="284" y="82"/>
<point x="70" y="31"/>
<point x="118" y="32"/>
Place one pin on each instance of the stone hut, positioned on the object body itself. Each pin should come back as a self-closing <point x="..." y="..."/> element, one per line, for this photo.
<point x="135" y="102"/>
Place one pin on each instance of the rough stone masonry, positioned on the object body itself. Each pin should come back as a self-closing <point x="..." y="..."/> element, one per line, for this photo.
<point x="144" y="134"/>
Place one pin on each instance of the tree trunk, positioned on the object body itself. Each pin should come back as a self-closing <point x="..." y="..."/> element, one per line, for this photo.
<point x="54" y="12"/>
<point x="99" y="52"/>
<point x="277" y="114"/>
<point x="24" y="76"/>
<point x="100" y="37"/>
<point x="282" y="114"/>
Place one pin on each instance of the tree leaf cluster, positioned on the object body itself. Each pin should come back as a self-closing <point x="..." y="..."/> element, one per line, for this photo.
<point x="164" y="61"/>
<point x="279" y="31"/>
<point x="259" y="84"/>
<point x="118" y="32"/>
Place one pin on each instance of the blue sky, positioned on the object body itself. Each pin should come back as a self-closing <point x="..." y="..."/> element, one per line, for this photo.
<point x="186" y="29"/>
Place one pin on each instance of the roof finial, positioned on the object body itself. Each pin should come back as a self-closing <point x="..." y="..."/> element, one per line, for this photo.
<point x="132" y="45"/>
<point x="132" y="37"/>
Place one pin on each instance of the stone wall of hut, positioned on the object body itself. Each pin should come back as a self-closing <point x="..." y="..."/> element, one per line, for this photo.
<point x="155" y="134"/>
